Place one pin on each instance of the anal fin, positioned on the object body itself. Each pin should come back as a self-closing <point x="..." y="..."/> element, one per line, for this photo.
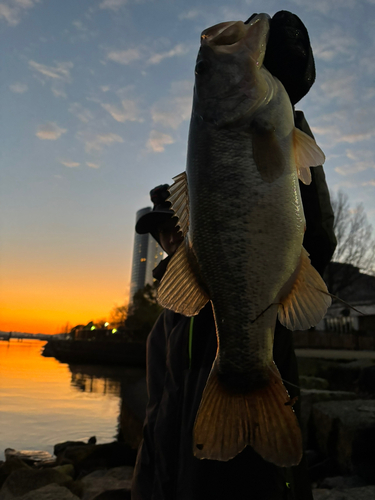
<point x="228" y="421"/>
<point x="307" y="300"/>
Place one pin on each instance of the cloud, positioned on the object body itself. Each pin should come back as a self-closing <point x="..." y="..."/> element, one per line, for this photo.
<point x="334" y="44"/>
<point x="157" y="141"/>
<point x="18" y="88"/>
<point x="12" y="10"/>
<point x="50" y="131"/>
<point x="129" y="111"/>
<point x="326" y="6"/>
<point x="176" y="108"/>
<point x="179" y="50"/>
<point x="92" y="165"/>
<point x="190" y="14"/>
<point x="70" y="164"/>
<point x="59" y="72"/>
<point x="112" y="4"/>
<point x="369" y="183"/>
<point x="96" y="142"/>
<point x="362" y="160"/>
<point x="124" y="56"/>
<point x="58" y="75"/>
<point x="83" y="114"/>
<point x="340" y="86"/>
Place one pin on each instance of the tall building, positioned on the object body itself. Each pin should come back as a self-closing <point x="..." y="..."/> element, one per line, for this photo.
<point x="147" y="253"/>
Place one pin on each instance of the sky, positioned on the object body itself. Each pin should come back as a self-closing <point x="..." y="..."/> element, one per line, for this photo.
<point x="95" y="104"/>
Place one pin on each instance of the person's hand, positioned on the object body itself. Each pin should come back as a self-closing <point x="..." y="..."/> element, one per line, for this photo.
<point x="289" y="56"/>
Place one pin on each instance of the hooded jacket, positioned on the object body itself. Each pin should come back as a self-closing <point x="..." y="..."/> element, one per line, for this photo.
<point x="180" y="353"/>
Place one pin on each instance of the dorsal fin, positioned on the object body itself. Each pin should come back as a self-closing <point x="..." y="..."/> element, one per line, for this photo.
<point x="307" y="154"/>
<point x="180" y="289"/>
<point x="179" y="198"/>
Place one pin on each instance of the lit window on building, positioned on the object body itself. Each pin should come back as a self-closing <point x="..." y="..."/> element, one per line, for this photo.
<point x="143" y="259"/>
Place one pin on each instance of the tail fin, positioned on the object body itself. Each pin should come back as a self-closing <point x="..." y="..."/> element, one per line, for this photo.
<point x="264" y="419"/>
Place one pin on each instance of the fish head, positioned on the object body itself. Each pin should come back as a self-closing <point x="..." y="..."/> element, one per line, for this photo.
<point x="230" y="80"/>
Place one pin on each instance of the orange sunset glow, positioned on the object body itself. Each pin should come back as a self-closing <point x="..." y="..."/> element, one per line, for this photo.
<point x="46" y="305"/>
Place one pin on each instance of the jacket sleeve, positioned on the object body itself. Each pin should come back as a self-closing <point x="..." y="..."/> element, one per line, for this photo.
<point x="143" y="477"/>
<point x="319" y="240"/>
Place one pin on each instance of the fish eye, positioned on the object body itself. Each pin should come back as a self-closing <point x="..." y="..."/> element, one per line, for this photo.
<point x="202" y="66"/>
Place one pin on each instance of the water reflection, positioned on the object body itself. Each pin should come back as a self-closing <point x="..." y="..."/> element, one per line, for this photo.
<point x="129" y="384"/>
<point x="43" y="401"/>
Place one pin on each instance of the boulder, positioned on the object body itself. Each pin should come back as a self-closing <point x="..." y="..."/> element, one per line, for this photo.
<point x="345" y="430"/>
<point x="22" y="481"/>
<point x="88" y="458"/>
<point x="60" y="447"/>
<point x="343" y="482"/>
<point x="49" y="492"/>
<point x="364" y="493"/>
<point x="307" y="382"/>
<point x="113" y="480"/>
<point x="12" y="464"/>
<point x="34" y="457"/>
<point x="311" y="396"/>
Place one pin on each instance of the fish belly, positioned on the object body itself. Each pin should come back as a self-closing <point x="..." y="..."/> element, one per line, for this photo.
<point x="247" y="237"/>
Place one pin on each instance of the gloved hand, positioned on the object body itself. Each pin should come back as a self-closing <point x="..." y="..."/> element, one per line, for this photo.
<point x="289" y="56"/>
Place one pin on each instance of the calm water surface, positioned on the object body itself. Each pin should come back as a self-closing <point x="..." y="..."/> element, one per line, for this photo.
<point x="44" y="402"/>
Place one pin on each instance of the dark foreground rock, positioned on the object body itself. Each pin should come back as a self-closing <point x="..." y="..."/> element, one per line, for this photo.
<point x="113" y="480"/>
<point x="345" y="430"/>
<point x="80" y="470"/>
<point x="364" y="493"/>
<point x="50" y="492"/>
<point x="23" y="481"/>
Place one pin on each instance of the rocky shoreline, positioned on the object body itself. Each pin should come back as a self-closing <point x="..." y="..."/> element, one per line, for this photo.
<point x="78" y="470"/>
<point x="338" y="427"/>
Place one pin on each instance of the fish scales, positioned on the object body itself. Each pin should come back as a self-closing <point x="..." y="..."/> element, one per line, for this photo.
<point x="244" y="218"/>
<point x="239" y="209"/>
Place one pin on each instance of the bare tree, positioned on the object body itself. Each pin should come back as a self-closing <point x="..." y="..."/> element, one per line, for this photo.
<point x="355" y="251"/>
<point x="118" y="315"/>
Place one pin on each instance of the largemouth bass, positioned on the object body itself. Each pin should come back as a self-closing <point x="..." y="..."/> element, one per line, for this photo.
<point x="240" y="211"/>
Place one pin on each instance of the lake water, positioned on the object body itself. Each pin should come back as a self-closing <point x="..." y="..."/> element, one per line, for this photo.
<point x="44" y="402"/>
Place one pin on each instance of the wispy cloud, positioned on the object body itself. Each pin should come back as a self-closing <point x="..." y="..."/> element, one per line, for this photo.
<point x="326" y="6"/>
<point x="361" y="160"/>
<point x="83" y="114"/>
<point x="70" y="164"/>
<point x="60" y="72"/>
<point x="176" y="108"/>
<point x="18" y="88"/>
<point x="189" y="14"/>
<point x="92" y="165"/>
<point x="128" y="112"/>
<point x="178" y="50"/>
<point x="50" y="131"/>
<point x="112" y="4"/>
<point x="157" y="140"/>
<point x="96" y="142"/>
<point x="124" y="56"/>
<point x="334" y="44"/>
<point x="12" y="10"/>
<point x="58" y="75"/>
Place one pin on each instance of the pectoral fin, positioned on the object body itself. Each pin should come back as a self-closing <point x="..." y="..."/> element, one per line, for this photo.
<point x="307" y="154"/>
<point x="268" y="155"/>
<point x="305" y="301"/>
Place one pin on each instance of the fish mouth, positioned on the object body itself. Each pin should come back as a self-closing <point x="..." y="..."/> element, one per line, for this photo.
<point x="228" y="36"/>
